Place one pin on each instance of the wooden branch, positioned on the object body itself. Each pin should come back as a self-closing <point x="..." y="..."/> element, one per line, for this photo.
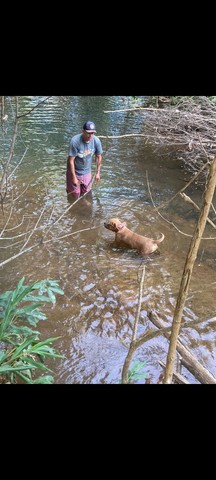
<point x="185" y="186"/>
<point x="188" y="360"/>
<point x="18" y="254"/>
<point x="165" y="219"/>
<point x="11" y="174"/>
<point x="132" y="109"/>
<point x="33" y="108"/>
<point x="189" y="200"/>
<point x="178" y="377"/>
<point x="132" y="346"/>
<point x="56" y="239"/>
<point x="69" y="208"/>
<point x="34" y="229"/>
<point x="127" y="135"/>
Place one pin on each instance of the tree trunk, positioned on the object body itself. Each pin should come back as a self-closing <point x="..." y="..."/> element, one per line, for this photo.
<point x="185" y="281"/>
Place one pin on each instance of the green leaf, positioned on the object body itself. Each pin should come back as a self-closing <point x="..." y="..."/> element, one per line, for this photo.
<point x="45" y="379"/>
<point x="22" y="331"/>
<point x="3" y="356"/>
<point x="51" y="296"/>
<point x="57" y="290"/>
<point x="22" y="346"/>
<point x="27" y="309"/>
<point x="7" y="368"/>
<point x="20" y="292"/>
<point x="25" y="378"/>
<point x="5" y="296"/>
<point x="47" y="352"/>
<point x="136" y="367"/>
<point x="45" y="342"/>
<point x="136" y="376"/>
<point x="37" y="298"/>
<point x="34" y="363"/>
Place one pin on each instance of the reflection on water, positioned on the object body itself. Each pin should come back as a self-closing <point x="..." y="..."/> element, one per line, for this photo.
<point x="101" y="282"/>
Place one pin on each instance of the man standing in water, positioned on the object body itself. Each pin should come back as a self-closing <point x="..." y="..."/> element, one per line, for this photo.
<point x="81" y="151"/>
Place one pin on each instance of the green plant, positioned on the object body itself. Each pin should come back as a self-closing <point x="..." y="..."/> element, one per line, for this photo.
<point x="21" y="352"/>
<point x="135" y="368"/>
<point x="133" y="372"/>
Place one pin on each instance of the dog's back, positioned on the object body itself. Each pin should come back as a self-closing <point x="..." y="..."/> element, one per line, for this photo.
<point x="145" y="245"/>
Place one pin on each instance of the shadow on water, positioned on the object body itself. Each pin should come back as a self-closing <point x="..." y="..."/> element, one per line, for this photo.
<point x="101" y="281"/>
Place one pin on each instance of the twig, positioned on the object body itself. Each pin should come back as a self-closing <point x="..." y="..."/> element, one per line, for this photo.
<point x="67" y="209"/>
<point x="130" y="109"/>
<point x="33" y="108"/>
<point x="127" y="135"/>
<point x="33" y="230"/>
<point x="11" y="174"/>
<point x="132" y="348"/>
<point x="70" y="234"/>
<point x="18" y="254"/>
<point x="186" y="186"/>
<point x="168" y="221"/>
<point x="177" y="376"/>
<point x="7" y="221"/>
<point x="189" y="200"/>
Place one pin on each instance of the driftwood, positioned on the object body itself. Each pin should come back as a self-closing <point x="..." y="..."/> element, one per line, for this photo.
<point x="188" y="360"/>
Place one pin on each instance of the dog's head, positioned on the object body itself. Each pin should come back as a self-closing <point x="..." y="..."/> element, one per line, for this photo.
<point x="114" y="224"/>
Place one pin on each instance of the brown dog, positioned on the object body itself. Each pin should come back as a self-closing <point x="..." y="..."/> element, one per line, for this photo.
<point x="145" y="245"/>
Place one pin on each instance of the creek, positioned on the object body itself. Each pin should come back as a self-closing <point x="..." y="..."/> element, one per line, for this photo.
<point x="94" y="317"/>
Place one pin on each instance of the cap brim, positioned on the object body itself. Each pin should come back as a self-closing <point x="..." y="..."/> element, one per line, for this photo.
<point x="91" y="131"/>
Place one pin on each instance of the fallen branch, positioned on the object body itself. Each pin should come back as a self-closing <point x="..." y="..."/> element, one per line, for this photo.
<point x="189" y="200"/>
<point x="162" y="205"/>
<point x="165" y="219"/>
<point x="178" y="377"/>
<point x="188" y="360"/>
<point x="130" y="109"/>
<point x="127" y="135"/>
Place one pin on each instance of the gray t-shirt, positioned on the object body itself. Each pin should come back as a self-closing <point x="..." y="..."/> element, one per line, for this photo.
<point x="83" y="152"/>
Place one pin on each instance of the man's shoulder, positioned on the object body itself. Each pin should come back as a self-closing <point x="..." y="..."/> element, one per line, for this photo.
<point x="98" y="146"/>
<point x="76" y="138"/>
<point x="97" y="139"/>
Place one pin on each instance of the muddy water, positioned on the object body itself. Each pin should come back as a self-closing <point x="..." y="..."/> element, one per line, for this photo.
<point x="101" y="282"/>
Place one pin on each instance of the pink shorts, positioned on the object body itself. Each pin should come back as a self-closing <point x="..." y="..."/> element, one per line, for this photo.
<point x="83" y="186"/>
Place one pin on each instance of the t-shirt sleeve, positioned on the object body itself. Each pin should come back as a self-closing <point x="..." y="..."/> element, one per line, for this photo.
<point x="98" y="147"/>
<point x="72" y="149"/>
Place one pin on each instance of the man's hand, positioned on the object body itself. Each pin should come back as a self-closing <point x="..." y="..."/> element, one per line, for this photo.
<point x="75" y="181"/>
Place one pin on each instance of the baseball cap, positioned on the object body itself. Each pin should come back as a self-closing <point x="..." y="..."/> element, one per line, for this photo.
<point x="89" y="126"/>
